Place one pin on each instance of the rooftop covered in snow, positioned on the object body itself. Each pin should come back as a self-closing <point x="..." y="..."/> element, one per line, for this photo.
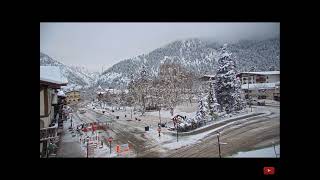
<point x="51" y="75"/>
<point x="261" y="73"/>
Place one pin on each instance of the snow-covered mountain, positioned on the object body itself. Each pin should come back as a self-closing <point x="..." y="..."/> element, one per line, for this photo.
<point x="261" y="54"/>
<point x="198" y="56"/>
<point x="192" y="53"/>
<point x="78" y="77"/>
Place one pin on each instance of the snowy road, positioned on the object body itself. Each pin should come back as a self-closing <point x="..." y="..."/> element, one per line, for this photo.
<point x="250" y="132"/>
<point x="243" y="135"/>
<point x="255" y="133"/>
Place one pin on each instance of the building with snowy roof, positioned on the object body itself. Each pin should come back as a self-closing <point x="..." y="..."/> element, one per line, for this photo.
<point x="51" y="79"/>
<point x="261" y="85"/>
<point x="52" y="75"/>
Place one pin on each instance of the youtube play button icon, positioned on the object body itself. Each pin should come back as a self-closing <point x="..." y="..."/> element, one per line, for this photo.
<point x="268" y="171"/>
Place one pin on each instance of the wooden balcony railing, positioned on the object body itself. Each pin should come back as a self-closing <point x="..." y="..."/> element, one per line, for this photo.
<point x="49" y="133"/>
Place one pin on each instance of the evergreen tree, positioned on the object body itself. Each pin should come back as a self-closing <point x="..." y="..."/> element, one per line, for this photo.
<point x="210" y="99"/>
<point x="200" y="115"/>
<point x="227" y="93"/>
<point x="239" y="101"/>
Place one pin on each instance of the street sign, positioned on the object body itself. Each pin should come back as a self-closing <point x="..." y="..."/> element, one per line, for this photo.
<point x="110" y="139"/>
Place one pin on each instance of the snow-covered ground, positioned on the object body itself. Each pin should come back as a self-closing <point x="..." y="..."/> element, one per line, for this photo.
<point x="265" y="152"/>
<point x="167" y="140"/>
<point x="189" y="140"/>
<point x="167" y="114"/>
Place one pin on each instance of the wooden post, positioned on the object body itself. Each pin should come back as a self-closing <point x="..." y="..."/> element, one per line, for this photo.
<point x="219" y="144"/>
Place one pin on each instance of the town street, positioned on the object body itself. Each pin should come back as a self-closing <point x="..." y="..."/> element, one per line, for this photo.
<point x="242" y="134"/>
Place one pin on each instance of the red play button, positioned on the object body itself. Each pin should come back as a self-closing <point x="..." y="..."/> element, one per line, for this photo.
<point x="268" y="170"/>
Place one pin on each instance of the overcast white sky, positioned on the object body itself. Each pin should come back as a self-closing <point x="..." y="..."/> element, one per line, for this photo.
<point x="94" y="45"/>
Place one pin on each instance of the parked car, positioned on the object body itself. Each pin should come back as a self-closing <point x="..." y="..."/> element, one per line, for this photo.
<point x="257" y="102"/>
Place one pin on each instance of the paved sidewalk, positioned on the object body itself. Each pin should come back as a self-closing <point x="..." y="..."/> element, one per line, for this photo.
<point x="68" y="146"/>
<point x="69" y="149"/>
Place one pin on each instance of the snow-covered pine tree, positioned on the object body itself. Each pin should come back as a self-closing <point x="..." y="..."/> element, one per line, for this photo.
<point x="200" y="115"/>
<point x="226" y="81"/>
<point x="143" y="85"/>
<point x="239" y="101"/>
<point x="210" y="99"/>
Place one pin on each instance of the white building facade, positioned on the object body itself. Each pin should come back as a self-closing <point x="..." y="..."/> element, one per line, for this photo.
<point x="261" y="85"/>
